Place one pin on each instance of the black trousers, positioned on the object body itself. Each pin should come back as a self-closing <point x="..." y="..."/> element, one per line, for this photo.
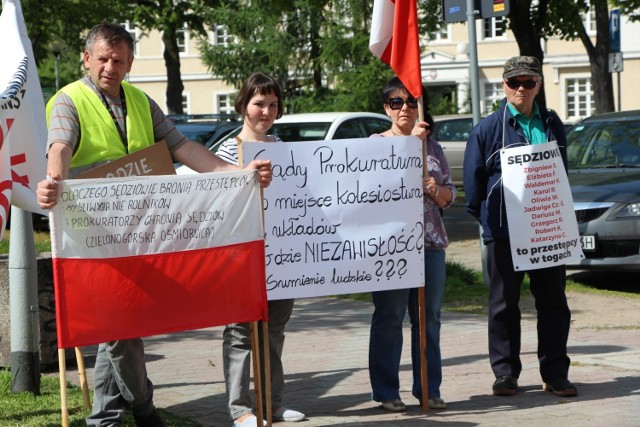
<point x="554" y="317"/>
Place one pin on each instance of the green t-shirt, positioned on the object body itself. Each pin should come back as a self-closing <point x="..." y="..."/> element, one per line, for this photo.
<point x="533" y="128"/>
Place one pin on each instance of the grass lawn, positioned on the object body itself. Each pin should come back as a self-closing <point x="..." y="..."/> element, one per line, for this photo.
<point x="41" y="238"/>
<point x="26" y="410"/>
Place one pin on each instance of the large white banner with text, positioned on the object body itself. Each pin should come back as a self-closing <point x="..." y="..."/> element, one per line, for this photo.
<point x="543" y="230"/>
<point x="147" y="255"/>
<point x="342" y="216"/>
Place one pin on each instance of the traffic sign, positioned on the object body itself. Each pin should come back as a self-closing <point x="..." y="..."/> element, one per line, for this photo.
<point x="614" y="30"/>
<point x="615" y="62"/>
<point x="456" y="10"/>
<point x="491" y="8"/>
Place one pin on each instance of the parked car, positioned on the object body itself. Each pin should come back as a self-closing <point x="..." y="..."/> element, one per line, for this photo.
<point x="452" y="132"/>
<point x="205" y="129"/>
<point x="604" y="172"/>
<point x="318" y="126"/>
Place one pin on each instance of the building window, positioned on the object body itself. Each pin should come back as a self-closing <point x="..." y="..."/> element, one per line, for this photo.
<point x="224" y="103"/>
<point x="493" y="94"/>
<point x="220" y="36"/>
<point x="182" y="37"/>
<point x="440" y="35"/>
<point x="186" y="104"/>
<point x="580" y="102"/>
<point x="494" y="27"/>
<point x="589" y="20"/>
<point x="135" y="32"/>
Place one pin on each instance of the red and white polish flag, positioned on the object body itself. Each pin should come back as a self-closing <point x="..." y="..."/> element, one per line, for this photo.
<point x="395" y="40"/>
<point x="140" y="256"/>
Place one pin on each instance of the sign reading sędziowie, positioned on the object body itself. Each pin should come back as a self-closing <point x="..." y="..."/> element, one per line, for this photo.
<point x="543" y="230"/>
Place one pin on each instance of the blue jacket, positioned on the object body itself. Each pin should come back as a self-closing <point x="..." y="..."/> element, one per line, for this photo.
<point x="482" y="171"/>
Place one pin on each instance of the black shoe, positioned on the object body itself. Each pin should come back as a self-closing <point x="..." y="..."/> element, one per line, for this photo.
<point x="151" y="420"/>
<point x="505" y="385"/>
<point x="560" y="387"/>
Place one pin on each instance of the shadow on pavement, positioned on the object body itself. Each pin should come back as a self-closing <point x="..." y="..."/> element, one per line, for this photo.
<point x="532" y="396"/>
<point x="622" y="281"/>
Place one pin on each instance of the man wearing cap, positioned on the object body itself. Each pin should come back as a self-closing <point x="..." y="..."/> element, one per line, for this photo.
<point x="519" y="121"/>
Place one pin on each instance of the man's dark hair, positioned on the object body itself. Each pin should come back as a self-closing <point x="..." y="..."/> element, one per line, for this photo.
<point x="110" y="32"/>
<point x="257" y="83"/>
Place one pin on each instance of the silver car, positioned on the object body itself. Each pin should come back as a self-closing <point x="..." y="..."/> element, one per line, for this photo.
<point x="604" y="172"/>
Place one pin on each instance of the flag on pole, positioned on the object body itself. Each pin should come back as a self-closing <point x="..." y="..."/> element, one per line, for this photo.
<point x="394" y="39"/>
<point x="23" y="131"/>
<point x="141" y="256"/>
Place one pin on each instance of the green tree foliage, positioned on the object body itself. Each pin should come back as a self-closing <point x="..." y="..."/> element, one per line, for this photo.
<point x="170" y="17"/>
<point x="317" y="49"/>
<point x="533" y="21"/>
<point x="64" y="22"/>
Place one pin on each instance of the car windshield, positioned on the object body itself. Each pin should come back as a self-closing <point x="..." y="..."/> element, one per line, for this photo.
<point x="604" y="144"/>
<point x="197" y="133"/>
<point x="300" y="131"/>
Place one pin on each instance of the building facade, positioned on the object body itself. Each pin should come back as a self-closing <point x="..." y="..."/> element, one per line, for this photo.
<point x="445" y="69"/>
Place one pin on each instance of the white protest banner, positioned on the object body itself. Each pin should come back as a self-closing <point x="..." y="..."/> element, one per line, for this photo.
<point x="543" y="230"/>
<point x="147" y="255"/>
<point x="342" y="216"/>
<point x="23" y="131"/>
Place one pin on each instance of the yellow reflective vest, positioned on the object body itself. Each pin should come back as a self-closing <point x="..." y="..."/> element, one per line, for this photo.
<point x="99" y="137"/>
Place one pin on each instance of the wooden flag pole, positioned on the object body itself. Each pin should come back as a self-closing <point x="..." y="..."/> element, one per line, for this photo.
<point x="62" y="366"/>
<point x="257" y="375"/>
<point x="82" y="374"/>
<point x="255" y="342"/>
<point x="422" y="313"/>
<point x="267" y="370"/>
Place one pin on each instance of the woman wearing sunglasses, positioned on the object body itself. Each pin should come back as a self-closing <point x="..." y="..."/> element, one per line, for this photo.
<point x="385" y="344"/>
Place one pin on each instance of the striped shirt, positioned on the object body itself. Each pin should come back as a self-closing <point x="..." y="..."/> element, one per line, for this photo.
<point x="228" y="150"/>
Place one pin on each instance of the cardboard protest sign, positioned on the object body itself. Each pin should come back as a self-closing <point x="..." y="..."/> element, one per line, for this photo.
<point x="342" y="216"/>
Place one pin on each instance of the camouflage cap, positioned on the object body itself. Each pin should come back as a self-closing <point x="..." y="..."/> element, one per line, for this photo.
<point x="521" y="66"/>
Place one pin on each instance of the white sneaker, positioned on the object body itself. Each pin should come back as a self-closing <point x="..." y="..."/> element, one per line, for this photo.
<point x="251" y="421"/>
<point x="289" y="415"/>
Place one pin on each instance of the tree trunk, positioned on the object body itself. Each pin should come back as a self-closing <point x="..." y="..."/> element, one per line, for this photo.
<point x="174" y="78"/>
<point x="601" y="80"/>
<point x="528" y="36"/>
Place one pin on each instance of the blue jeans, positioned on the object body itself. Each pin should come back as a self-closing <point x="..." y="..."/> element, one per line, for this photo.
<point x="385" y="343"/>
<point x="435" y="277"/>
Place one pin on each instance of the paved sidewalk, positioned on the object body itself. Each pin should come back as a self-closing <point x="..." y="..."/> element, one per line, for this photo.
<point x="326" y="374"/>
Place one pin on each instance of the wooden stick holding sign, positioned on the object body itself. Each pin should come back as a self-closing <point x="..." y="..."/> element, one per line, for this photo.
<point x="255" y="346"/>
<point x="82" y="374"/>
<point x="422" y="312"/>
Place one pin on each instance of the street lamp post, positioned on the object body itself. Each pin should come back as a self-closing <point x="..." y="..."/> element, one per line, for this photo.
<point x="56" y="49"/>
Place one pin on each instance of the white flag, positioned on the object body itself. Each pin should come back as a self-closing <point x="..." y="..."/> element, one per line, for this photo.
<point x="23" y="130"/>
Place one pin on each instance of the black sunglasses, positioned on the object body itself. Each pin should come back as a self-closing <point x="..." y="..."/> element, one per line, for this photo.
<point x="397" y="103"/>
<point x="527" y="84"/>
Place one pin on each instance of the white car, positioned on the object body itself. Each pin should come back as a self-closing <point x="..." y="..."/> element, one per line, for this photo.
<point x="452" y="132"/>
<point x="318" y="126"/>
